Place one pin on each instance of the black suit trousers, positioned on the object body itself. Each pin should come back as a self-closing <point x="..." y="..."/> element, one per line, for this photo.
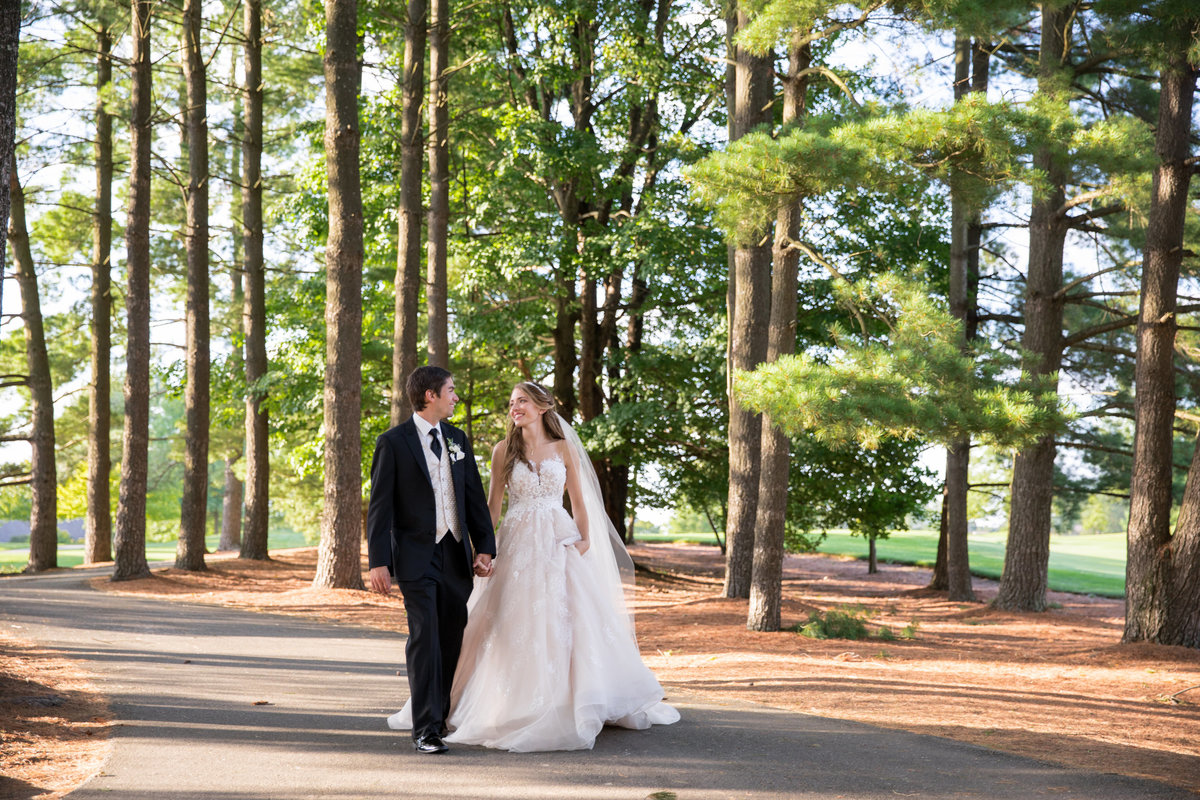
<point x="436" y="605"/>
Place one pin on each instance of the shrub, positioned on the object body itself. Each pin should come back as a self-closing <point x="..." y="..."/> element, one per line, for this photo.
<point x="849" y="622"/>
<point x="837" y="623"/>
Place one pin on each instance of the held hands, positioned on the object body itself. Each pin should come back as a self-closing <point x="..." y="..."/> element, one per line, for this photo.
<point x="381" y="580"/>
<point x="483" y="565"/>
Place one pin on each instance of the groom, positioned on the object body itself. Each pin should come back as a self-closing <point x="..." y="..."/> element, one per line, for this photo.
<point x="427" y="514"/>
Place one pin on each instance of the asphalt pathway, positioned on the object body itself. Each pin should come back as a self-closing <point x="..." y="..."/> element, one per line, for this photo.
<point x="184" y="681"/>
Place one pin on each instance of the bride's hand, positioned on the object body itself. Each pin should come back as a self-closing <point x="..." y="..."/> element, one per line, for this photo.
<point x="582" y="546"/>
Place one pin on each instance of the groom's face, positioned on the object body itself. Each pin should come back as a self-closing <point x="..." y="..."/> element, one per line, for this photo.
<point x="442" y="404"/>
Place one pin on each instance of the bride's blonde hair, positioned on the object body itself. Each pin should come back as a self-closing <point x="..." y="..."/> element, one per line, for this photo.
<point x="514" y="442"/>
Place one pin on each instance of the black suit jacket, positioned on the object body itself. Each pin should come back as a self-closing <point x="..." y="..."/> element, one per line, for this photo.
<point x="401" y="516"/>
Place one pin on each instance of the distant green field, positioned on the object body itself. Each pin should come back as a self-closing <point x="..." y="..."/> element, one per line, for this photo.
<point x="1092" y="564"/>
<point x="15" y="555"/>
<point x="1082" y="564"/>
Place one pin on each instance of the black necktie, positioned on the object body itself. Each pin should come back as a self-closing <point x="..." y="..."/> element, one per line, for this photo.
<point x="434" y="444"/>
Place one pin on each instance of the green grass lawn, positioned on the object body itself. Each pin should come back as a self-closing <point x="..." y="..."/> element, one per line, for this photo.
<point x="1092" y="564"/>
<point x="15" y="555"/>
<point x="1082" y="564"/>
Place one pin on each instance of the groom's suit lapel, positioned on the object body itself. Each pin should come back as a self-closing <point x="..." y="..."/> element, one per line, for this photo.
<point x="413" y="438"/>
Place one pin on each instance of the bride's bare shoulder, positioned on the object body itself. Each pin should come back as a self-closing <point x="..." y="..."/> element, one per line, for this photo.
<point x="563" y="450"/>
<point x="498" y="451"/>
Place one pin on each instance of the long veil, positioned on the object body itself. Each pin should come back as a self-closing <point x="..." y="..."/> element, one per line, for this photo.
<point x="606" y="549"/>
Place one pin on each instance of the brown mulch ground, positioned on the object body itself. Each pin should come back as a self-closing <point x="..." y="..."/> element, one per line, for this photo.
<point x="53" y="723"/>
<point x="1056" y="686"/>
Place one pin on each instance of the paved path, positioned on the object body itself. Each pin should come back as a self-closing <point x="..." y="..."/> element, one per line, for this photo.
<point x="183" y="680"/>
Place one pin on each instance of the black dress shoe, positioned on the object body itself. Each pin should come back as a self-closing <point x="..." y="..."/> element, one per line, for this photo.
<point x="430" y="743"/>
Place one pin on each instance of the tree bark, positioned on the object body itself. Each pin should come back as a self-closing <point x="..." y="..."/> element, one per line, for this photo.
<point x="98" y="529"/>
<point x="129" y="540"/>
<point x="43" y="519"/>
<point x="439" y="184"/>
<point x="766" y="584"/>
<point x="254" y="315"/>
<point x="231" y="510"/>
<point x="194" y="505"/>
<point x="751" y="312"/>
<point x="1027" y="554"/>
<point x="565" y="311"/>
<point x="408" y="255"/>
<point x="590" y="403"/>
<point x="958" y="454"/>
<point x="10" y="34"/>
<point x="958" y="565"/>
<point x="338" y="564"/>
<point x="1162" y="571"/>
<point x="230" y="535"/>
<point x="939" y="580"/>
<point x="952" y="568"/>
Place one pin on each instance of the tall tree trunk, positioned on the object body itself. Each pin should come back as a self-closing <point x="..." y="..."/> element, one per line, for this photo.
<point x="766" y="584"/>
<point x="751" y="312"/>
<point x="231" y="510"/>
<point x="589" y="350"/>
<point x="565" y="311"/>
<point x="958" y="454"/>
<point x="254" y="315"/>
<point x="1162" y="572"/>
<point x="338" y="563"/>
<point x="98" y="529"/>
<point x="408" y="251"/>
<point x="439" y="183"/>
<point x="952" y="568"/>
<point x="1027" y="554"/>
<point x="194" y="504"/>
<point x="10" y="34"/>
<point x="231" y="514"/>
<point x="43" y="519"/>
<point x="129" y="540"/>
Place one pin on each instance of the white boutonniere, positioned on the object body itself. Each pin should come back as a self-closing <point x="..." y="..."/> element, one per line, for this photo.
<point x="456" y="453"/>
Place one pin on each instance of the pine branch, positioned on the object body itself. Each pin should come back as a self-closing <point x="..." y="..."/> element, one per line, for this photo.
<point x="1105" y="348"/>
<point x="1096" y="330"/>
<point x="1061" y="293"/>
<point x="1078" y="223"/>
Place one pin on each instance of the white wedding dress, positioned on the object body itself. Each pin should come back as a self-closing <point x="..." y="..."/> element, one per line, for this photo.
<point x="548" y="654"/>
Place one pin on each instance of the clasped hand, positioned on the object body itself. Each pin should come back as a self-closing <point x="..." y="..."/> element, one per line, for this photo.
<point x="483" y="565"/>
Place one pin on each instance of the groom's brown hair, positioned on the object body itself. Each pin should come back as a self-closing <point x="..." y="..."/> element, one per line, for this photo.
<point x="425" y="379"/>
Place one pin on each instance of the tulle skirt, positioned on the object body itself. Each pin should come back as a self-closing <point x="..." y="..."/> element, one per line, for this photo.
<point x="547" y="658"/>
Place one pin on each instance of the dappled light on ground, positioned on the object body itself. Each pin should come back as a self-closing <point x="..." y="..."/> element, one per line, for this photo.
<point x="1056" y="686"/>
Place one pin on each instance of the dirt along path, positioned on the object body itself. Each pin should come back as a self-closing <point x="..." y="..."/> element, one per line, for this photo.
<point x="1056" y="686"/>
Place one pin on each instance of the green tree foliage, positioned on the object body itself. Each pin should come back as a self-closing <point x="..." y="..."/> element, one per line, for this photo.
<point x="910" y="380"/>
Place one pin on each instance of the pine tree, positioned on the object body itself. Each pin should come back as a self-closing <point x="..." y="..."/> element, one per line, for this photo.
<point x="408" y="255"/>
<point x="1162" y="581"/>
<point x="194" y="506"/>
<point x="43" y="520"/>
<point x="338" y="563"/>
<point x="98" y="528"/>
<point x="129" y="541"/>
<point x="254" y="315"/>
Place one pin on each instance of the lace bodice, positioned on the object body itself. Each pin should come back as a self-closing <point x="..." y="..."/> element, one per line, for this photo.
<point x="542" y="485"/>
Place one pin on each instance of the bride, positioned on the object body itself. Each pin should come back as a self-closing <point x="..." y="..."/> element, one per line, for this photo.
<point x="549" y="655"/>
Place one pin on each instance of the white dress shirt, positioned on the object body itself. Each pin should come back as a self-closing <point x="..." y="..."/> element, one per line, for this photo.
<point x="446" y="509"/>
